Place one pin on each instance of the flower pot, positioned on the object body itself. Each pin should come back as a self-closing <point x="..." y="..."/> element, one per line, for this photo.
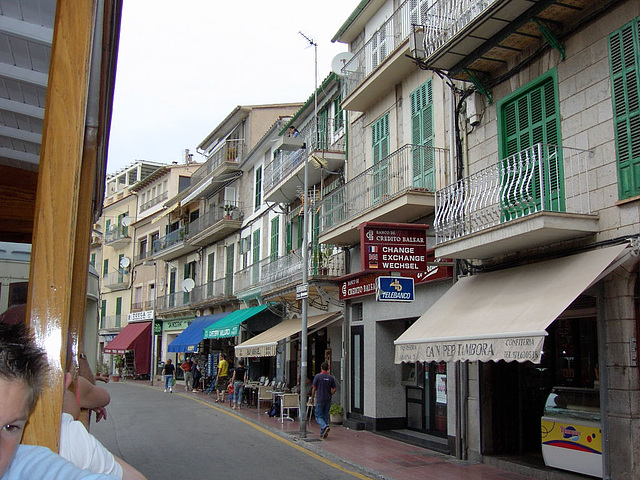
<point x="115" y="378"/>
<point x="335" y="419"/>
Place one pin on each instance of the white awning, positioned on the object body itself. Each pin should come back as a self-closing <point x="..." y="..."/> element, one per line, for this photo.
<point x="265" y="343"/>
<point x="502" y="315"/>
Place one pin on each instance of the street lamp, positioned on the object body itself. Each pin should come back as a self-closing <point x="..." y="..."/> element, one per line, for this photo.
<point x="152" y="366"/>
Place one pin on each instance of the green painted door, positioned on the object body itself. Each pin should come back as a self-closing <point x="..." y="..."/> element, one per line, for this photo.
<point x="255" y="271"/>
<point x="532" y="178"/>
<point x="422" y="154"/>
<point x="118" y="312"/>
<point x="275" y="237"/>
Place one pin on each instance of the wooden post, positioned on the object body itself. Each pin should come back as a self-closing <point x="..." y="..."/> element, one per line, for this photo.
<point x="57" y="278"/>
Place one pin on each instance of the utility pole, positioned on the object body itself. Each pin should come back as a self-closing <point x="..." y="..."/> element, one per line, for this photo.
<point x="305" y="256"/>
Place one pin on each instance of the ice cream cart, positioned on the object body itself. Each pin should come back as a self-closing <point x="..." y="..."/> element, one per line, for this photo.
<point x="571" y="430"/>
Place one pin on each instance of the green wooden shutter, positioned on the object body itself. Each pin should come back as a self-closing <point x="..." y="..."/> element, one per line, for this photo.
<point x="92" y="261"/>
<point x="228" y="286"/>
<point x="422" y="136"/>
<point x="275" y="237"/>
<point x="323" y="130"/>
<point x="120" y="269"/>
<point x="300" y="230"/>
<point x="255" y="272"/>
<point x="529" y="118"/>
<point x="289" y="238"/>
<point x="105" y="267"/>
<point x="624" y="57"/>
<point x="380" y="143"/>
<point x="338" y="114"/>
<point x="210" y="267"/>
<point x="258" y="188"/>
<point x="118" y="311"/>
<point x="103" y="312"/>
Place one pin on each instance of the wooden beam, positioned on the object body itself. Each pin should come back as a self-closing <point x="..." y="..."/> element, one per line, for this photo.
<point x="55" y="277"/>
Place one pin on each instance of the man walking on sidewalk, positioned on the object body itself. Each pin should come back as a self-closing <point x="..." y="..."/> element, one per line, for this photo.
<point x="324" y="386"/>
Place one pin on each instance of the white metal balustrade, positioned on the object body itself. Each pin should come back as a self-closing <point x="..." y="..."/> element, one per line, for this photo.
<point x="412" y="167"/>
<point x="543" y="177"/>
<point x="231" y="151"/>
<point x="288" y="269"/>
<point x="228" y="211"/>
<point x="440" y="20"/>
<point x="328" y="137"/>
<point x="249" y="277"/>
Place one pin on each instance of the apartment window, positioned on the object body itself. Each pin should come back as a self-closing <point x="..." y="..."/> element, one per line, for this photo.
<point x="528" y="117"/>
<point x="421" y="101"/>
<point x="105" y="267"/>
<point x="92" y="260"/>
<point x="289" y="238"/>
<point x="103" y="312"/>
<point x="258" y="188"/>
<point x="210" y="267"/>
<point x="142" y="249"/>
<point x="323" y="130"/>
<point x="118" y="312"/>
<point x="256" y="246"/>
<point x="275" y="237"/>
<point x="380" y="143"/>
<point x="624" y="58"/>
<point x="155" y="242"/>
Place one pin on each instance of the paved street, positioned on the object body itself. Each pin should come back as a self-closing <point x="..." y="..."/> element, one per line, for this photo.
<point x="169" y="436"/>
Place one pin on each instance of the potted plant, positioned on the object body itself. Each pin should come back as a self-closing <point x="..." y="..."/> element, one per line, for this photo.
<point x="228" y="210"/>
<point x="335" y="414"/>
<point x="119" y="363"/>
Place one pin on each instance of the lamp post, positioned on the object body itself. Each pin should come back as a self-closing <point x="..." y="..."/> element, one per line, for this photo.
<point x="152" y="366"/>
<point x="305" y="258"/>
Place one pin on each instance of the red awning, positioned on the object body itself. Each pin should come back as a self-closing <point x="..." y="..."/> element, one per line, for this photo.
<point x="136" y="337"/>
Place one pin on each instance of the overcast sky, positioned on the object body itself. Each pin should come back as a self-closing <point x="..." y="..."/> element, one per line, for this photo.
<point x="184" y="65"/>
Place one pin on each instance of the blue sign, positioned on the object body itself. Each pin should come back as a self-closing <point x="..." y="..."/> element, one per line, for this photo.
<point x="395" y="289"/>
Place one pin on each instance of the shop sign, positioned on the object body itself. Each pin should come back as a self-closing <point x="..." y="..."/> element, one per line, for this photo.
<point x="223" y="332"/>
<point x="396" y="247"/>
<point x="157" y="327"/>
<point x="109" y="338"/>
<point x="140" y="316"/>
<point x="176" y="324"/>
<point x="395" y="289"/>
<point x="366" y="284"/>
<point x="302" y="291"/>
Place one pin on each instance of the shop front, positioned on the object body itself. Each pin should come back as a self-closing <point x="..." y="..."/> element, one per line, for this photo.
<point x="517" y="334"/>
<point x="133" y="344"/>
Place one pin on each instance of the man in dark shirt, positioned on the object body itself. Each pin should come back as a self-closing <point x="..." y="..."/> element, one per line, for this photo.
<point x="324" y="386"/>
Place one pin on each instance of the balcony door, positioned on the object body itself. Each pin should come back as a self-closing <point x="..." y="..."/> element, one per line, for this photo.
<point x="422" y="137"/>
<point x="380" y="173"/>
<point x="532" y="177"/>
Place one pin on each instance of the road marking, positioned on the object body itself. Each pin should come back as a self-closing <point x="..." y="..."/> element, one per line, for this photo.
<point x="278" y="437"/>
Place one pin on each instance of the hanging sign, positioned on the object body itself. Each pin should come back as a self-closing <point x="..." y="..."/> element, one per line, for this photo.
<point x="395" y="289"/>
<point x="395" y="247"/>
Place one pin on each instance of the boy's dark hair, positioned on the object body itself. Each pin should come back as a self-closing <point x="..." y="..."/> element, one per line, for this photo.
<point x="21" y="359"/>
<point x="325" y="366"/>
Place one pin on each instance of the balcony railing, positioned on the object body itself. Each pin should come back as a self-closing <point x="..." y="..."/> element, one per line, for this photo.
<point x="154" y="201"/>
<point x="111" y="321"/>
<point x="287" y="269"/>
<point x="216" y="289"/>
<point x="174" y="300"/>
<point x="540" y="178"/>
<point x="115" y="279"/>
<point x="231" y="151"/>
<point x="412" y="167"/>
<point x="327" y="139"/>
<point x="249" y="277"/>
<point x="115" y="233"/>
<point x="440" y="20"/>
<point x="228" y="211"/>
<point x="173" y="238"/>
<point x="141" y="306"/>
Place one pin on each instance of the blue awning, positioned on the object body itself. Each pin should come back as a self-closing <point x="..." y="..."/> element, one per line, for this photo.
<point x="189" y="339"/>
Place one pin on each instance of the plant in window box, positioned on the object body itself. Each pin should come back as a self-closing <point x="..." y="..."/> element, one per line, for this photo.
<point x="335" y="413"/>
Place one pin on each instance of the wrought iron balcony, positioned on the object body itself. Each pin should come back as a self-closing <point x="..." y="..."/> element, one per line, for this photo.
<point x="116" y="280"/>
<point x="249" y="277"/>
<point x="540" y="179"/>
<point x="154" y="201"/>
<point x="323" y="263"/>
<point x="213" y="292"/>
<point x="171" y="245"/>
<point x="393" y="189"/>
<point x="219" y="222"/>
<point x="325" y="147"/>
<point x="117" y="236"/>
<point x="230" y="154"/>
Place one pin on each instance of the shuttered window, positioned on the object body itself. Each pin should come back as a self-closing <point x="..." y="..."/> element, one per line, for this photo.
<point x="422" y="136"/>
<point x="380" y="143"/>
<point x="528" y="118"/>
<point x="275" y="237"/>
<point x="624" y="57"/>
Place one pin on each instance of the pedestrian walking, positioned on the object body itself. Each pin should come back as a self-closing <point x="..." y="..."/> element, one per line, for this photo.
<point x="238" y="379"/>
<point x="186" y="367"/>
<point x="323" y="388"/>
<point x="169" y="372"/>
<point x="196" y="374"/>
<point x="223" y="378"/>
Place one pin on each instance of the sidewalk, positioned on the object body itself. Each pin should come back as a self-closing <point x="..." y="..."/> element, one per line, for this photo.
<point x="374" y="455"/>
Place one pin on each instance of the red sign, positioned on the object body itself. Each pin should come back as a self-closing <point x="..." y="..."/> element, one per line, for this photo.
<point x="394" y="247"/>
<point x="366" y="284"/>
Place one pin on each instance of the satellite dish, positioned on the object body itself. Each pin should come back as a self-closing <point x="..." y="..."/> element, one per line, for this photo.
<point x="112" y="227"/>
<point x="125" y="262"/>
<point x="126" y="221"/>
<point x="188" y="284"/>
<point x="340" y="60"/>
